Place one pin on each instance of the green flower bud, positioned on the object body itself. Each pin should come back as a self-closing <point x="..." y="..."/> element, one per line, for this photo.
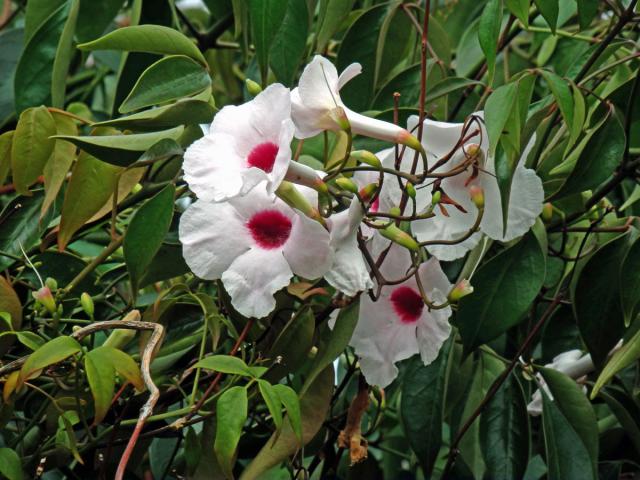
<point x="411" y="190"/>
<point x="87" y="304"/>
<point x="347" y="184"/>
<point x="252" y="87"/>
<point x="44" y="298"/>
<point x="51" y="283"/>
<point x="435" y="198"/>
<point x="367" y="157"/>
<point x="396" y="235"/>
<point x="462" y="289"/>
<point x="477" y="196"/>
<point x="547" y="212"/>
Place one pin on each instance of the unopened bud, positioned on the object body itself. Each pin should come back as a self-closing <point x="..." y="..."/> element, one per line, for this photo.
<point x="396" y="235"/>
<point x="252" y="87"/>
<point x="462" y="289"/>
<point x="471" y="150"/>
<point x="435" y="198"/>
<point x="45" y="298"/>
<point x="136" y="188"/>
<point x="367" y="157"/>
<point x="292" y="197"/>
<point x="368" y="191"/>
<point x="347" y="184"/>
<point x="477" y="196"/>
<point x="547" y="212"/>
<point x="405" y="138"/>
<point x="340" y="117"/>
<point x="87" y="304"/>
<point x="395" y="211"/>
<point x="51" y="283"/>
<point x="411" y="190"/>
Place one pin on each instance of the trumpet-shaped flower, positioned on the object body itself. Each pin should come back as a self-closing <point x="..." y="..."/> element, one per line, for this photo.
<point x="399" y="324"/>
<point x="455" y="220"/>
<point x="316" y="104"/>
<point x="254" y="244"/>
<point x="246" y="145"/>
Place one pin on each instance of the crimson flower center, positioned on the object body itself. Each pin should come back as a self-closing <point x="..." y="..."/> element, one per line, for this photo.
<point x="407" y="303"/>
<point x="263" y="156"/>
<point x="269" y="228"/>
<point x="375" y="205"/>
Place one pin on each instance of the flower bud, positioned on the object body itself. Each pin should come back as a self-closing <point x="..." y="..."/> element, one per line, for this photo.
<point x="411" y="190"/>
<point x="292" y="197"/>
<point x="87" y="304"/>
<point x="477" y="196"/>
<point x="252" y="87"/>
<point x="395" y="211"/>
<point x="405" y="138"/>
<point x="45" y="298"/>
<point x="339" y="116"/>
<point x="435" y="198"/>
<point x="472" y="150"/>
<point x="368" y="191"/>
<point x="547" y="212"/>
<point x="396" y="235"/>
<point x="347" y="184"/>
<point x="51" y="283"/>
<point x="462" y="289"/>
<point x="367" y="157"/>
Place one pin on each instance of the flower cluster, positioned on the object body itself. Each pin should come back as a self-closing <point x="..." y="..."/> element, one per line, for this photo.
<point x="374" y="226"/>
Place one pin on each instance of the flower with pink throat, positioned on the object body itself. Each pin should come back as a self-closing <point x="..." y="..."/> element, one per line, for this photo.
<point x="399" y="324"/>
<point x="246" y="145"/>
<point x="316" y="105"/>
<point x="254" y="244"/>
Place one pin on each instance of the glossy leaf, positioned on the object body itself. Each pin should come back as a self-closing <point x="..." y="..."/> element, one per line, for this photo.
<point x="504" y="432"/>
<point x="231" y="414"/>
<point x="146" y="231"/>
<point x="226" y="364"/>
<point x="549" y="9"/>
<point x="123" y="364"/>
<point x="147" y="38"/>
<point x="10" y="465"/>
<point x="587" y="10"/>
<point x="520" y="8"/>
<point x="421" y="406"/>
<point x="53" y="351"/>
<point x="272" y="401"/>
<point x="630" y="283"/>
<point x="290" y="42"/>
<point x="31" y="147"/>
<point x="64" y="54"/>
<point x="94" y="18"/>
<point x="121" y="150"/>
<point x="292" y="345"/>
<point x="497" y="111"/>
<point x="331" y="15"/>
<point x="563" y="95"/>
<point x="489" y="33"/>
<point x="596" y="300"/>
<point x="102" y="379"/>
<point x="505" y="287"/>
<point x="11" y="40"/>
<point x="291" y="402"/>
<point x="178" y="113"/>
<point x="10" y="312"/>
<point x="621" y="359"/>
<point x="5" y="155"/>
<point x="168" y="79"/>
<point x="266" y="19"/>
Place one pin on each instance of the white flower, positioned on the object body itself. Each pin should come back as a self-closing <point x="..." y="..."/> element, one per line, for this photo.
<point x="254" y="244"/>
<point x="314" y="103"/>
<point x="245" y="145"/>
<point x="450" y="223"/>
<point x="399" y="324"/>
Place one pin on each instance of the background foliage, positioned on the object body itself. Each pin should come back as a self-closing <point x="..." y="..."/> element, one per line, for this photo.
<point x="75" y="93"/>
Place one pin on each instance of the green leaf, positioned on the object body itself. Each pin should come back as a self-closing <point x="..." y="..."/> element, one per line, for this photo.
<point x="448" y="85"/>
<point x="266" y="18"/>
<point x="625" y="410"/>
<point x="570" y="428"/>
<point x="504" y="432"/>
<point x="147" y="38"/>
<point x="102" y="379"/>
<point x="10" y="465"/>
<point x="290" y="42"/>
<point x="630" y="282"/>
<point x="34" y="72"/>
<point x="562" y="93"/>
<point x="59" y="163"/>
<point x="5" y="155"/>
<point x="122" y="362"/>
<point x="182" y="112"/>
<point x="331" y="15"/>
<point x="489" y="33"/>
<point x="64" y="54"/>
<point x="146" y="231"/>
<point x="272" y="400"/>
<point x="10" y="303"/>
<point x="231" y="414"/>
<point x="121" y="150"/>
<point x="51" y="352"/>
<point x="226" y="364"/>
<point x="549" y="10"/>
<point x="314" y="405"/>
<point x="520" y="8"/>
<point x="497" y="111"/>
<point x="331" y="343"/>
<point x="596" y="300"/>
<point x="505" y="286"/>
<point x="12" y="45"/>
<point x="291" y="402"/>
<point x="94" y="18"/>
<point x="587" y="11"/>
<point x="31" y="147"/>
<point x="30" y="340"/>
<point x="421" y="406"/>
<point x="621" y="359"/>
<point x="292" y="345"/>
<point x="92" y="184"/>
<point x="169" y="78"/>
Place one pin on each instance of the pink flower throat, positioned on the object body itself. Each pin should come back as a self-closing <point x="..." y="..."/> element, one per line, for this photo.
<point x="263" y="156"/>
<point x="407" y="303"/>
<point x="269" y="228"/>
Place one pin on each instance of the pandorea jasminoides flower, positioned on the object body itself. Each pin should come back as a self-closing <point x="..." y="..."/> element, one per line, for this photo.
<point x="314" y="103"/>
<point x="254" y="244"/>
<point x="399" y="324"/>
<point x="453" y="221"/>
<point x="245" y="145"/>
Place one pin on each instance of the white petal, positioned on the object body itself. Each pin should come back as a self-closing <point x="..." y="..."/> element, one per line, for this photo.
<point x="348" y="73"/>
<point x="318" y="85"/>
<point x="212" y="236"/>
<point x="307" y="250"/>
<point x="305" y="118"/>
<point x="374" y="128"/>
<point x="433" y="331"/>
<point x="433" y="278"/>
<point x="377" y="371"/>
<point x="253" y="279"/>
<point x="271" y="107"/>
